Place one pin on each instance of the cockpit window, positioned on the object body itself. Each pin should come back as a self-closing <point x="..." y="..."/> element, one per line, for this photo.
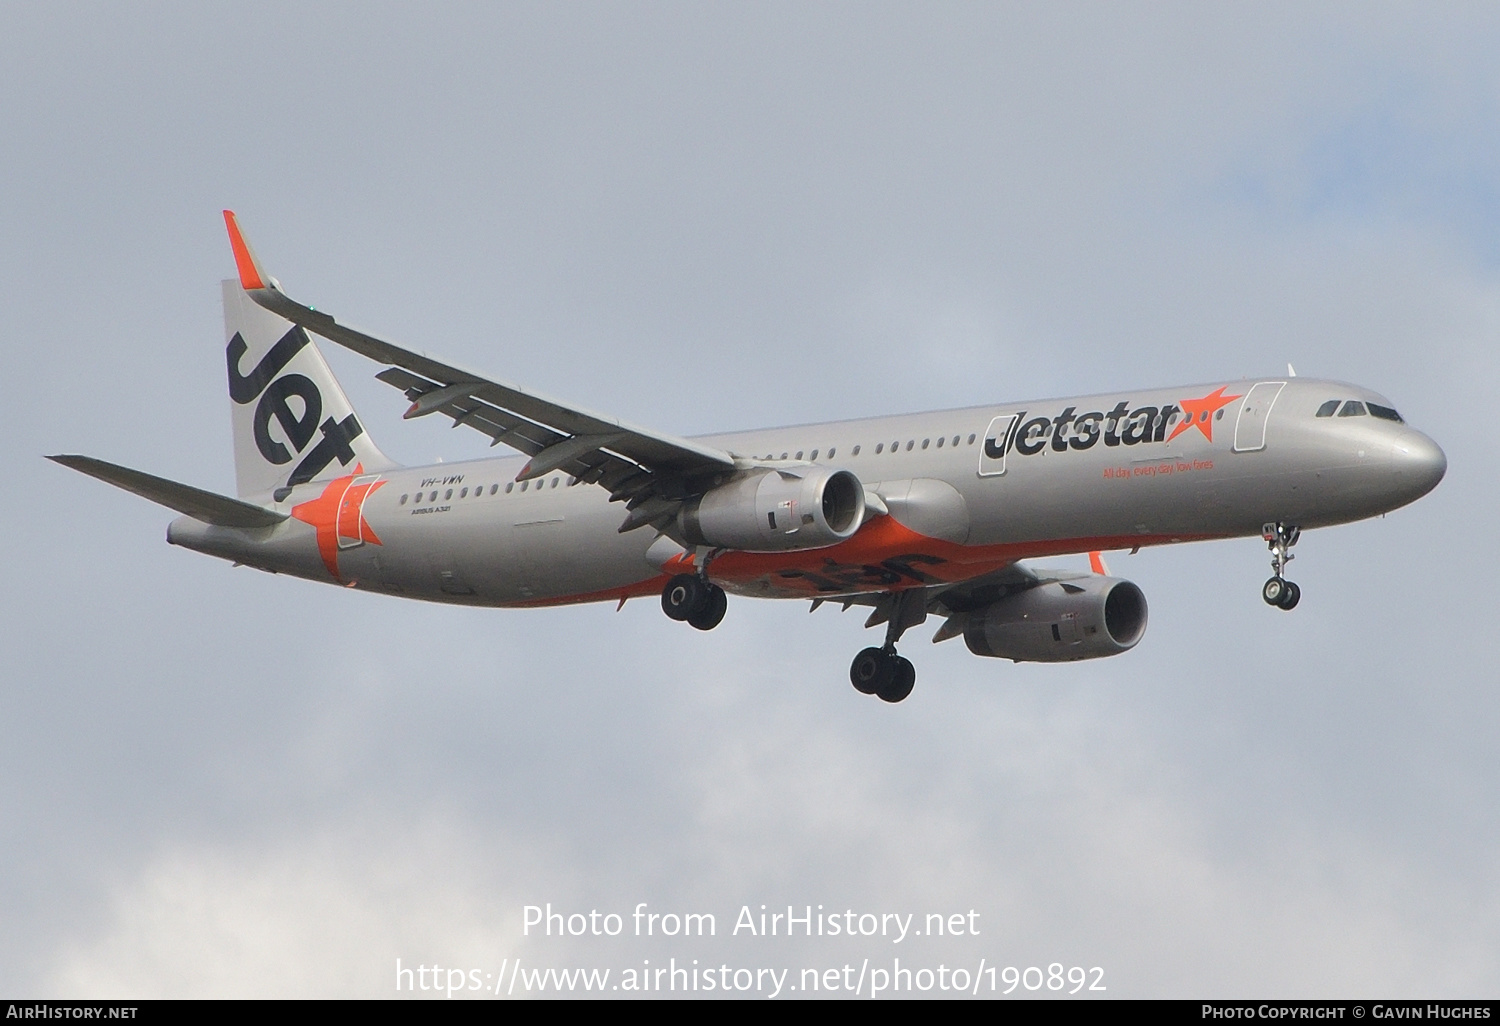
<point x="1353" y="408"/>
<point x="1385" y="413"/>
<point x="1329" y="408"/>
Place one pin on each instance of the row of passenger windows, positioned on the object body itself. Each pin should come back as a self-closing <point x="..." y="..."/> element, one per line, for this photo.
<point x="1355" y="408"/>
<point x="478" y="490"/>
<point x="911" y="444"/>
<point x="494" y="489"/>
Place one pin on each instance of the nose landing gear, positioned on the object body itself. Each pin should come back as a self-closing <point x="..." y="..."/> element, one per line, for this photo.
<point x="1278" y="591"/>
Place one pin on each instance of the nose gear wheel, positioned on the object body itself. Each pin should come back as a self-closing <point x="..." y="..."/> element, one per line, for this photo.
<point x="1278" y="591"/>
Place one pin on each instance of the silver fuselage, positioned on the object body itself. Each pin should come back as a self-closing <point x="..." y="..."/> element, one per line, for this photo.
<point x="968" y="491"/>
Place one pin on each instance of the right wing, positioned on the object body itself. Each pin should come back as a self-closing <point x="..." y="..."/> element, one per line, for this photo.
<point x="957" y="603"/>
<point x="653" y="472"/>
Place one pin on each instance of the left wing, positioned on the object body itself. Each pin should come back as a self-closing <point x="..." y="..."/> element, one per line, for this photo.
<point x="635" y="464"/>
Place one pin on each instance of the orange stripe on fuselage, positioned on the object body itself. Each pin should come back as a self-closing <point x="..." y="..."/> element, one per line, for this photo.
<point x="883" y="556"/>
<point x="640" y="589"/>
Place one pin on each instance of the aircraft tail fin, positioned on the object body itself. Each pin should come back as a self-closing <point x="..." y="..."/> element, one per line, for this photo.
<point x="292" y="422"/>
<point x="208" y="507"/>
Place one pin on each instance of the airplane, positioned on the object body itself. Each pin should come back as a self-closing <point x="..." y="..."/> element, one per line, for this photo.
<point x="913" y="516"/>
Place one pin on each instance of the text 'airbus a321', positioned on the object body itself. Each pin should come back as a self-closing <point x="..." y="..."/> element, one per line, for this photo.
<point x="914" y="515"/>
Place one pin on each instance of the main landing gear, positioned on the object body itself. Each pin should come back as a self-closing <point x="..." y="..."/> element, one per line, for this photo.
<point x="694" y="600"/>
<point x="880" y="671"/>
<point x="1279" y="591"/>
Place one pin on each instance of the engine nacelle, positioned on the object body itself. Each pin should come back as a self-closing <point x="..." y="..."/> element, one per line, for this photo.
<point x="777" y="511"/>
<point x="1061" y="621"/>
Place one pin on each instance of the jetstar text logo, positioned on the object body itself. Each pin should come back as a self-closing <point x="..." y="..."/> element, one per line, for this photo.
<point x="1122" y="425"/>
<point x="299" y="423"/>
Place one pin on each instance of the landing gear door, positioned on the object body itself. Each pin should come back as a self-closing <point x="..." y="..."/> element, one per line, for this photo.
<point x="997" y="442"/>
<point x="351" y="522"/>
<point x="1250" y="426"/>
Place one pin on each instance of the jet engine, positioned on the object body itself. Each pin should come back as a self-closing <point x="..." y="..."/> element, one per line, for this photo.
<point x="1060" y="621"/>
<point x="777" y="511"/>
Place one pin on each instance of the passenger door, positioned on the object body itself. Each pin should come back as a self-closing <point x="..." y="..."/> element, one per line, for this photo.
<point x="1250" y="426"/>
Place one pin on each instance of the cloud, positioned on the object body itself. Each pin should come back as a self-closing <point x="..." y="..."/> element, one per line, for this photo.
<point x="1071" y="829"/>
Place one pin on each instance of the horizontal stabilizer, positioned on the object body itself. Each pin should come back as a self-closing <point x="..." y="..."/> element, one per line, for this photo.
<point x="208" y="507"/>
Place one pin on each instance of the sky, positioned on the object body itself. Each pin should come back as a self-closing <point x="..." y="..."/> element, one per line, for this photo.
<point x="708" y="217"/>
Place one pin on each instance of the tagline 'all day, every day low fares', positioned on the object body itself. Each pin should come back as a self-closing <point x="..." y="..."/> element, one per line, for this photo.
<point x="912" y="516"/>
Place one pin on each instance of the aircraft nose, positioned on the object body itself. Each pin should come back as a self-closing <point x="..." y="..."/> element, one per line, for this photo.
<point x="1418" y="463"/>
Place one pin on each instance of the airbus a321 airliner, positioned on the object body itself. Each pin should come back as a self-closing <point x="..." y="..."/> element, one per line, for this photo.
<point x="914" y="516"/>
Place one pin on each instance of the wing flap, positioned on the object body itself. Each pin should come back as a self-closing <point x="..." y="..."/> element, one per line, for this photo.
<point x="208" y="507"/>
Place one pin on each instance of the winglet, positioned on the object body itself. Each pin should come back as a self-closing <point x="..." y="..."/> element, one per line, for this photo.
<point x="251" y="276"/>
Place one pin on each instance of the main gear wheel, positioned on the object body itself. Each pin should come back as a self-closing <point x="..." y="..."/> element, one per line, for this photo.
<point x="883" y="673"/>
<point x="690" y="598"/>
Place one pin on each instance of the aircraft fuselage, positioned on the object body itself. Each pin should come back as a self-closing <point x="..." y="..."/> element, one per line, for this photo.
<point x="968" y="491"/>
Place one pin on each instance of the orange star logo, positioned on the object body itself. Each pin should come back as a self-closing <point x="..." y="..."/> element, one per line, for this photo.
<point x="1199" y="413"/>
<point x="339" y="513"/>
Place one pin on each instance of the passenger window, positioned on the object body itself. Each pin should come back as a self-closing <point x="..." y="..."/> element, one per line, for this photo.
<point x="403" y="501"/>
<point x="1328" y="408"/>
<point x="925" y="443"/>
<point x="909" y="444"/>
<point x="494" y="488"/>
<point x="955" y="439"/>
<point x="464" y="494"/>
<point x="880" y="448"/>
<point x="971" y="439"/>
<point x="814" y="456"/>
<point x="448" y="495"/>
<point x="783" y="455"/>
<point x="854" y="451"/>
<point x="940" y="442"/>
<point x="524" y="484"/>
<point x="830" y="453"/>
<point x="554" y="482"/>
<point x="432" y="497"/>
<point x="799" y="454"/>
<point x="508" y="486"/>
<point x="1385" y="413"/>
<point x="1353" y="409"/>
